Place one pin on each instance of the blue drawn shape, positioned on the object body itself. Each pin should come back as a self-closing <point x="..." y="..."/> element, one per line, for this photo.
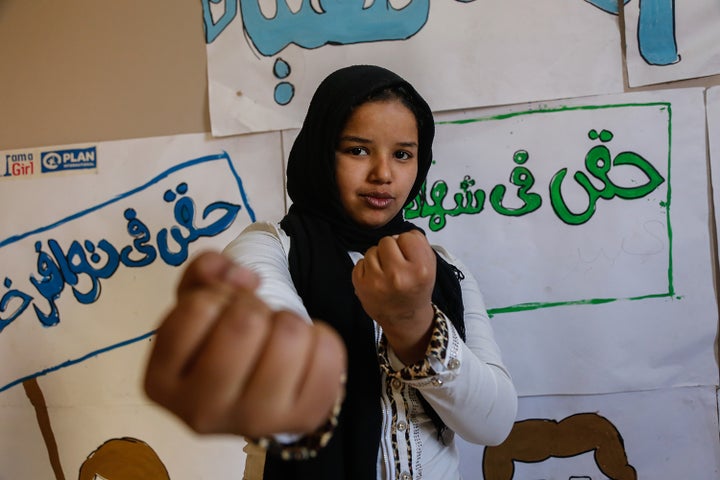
<point x="281" y="69"/>
<point x="656" y="29"/>
<point x="656" y="32"/>
<point x="284" y="93"/>
<point x="50" y="285"/>
<point x="7" y="300"/>
<point x="75" y="361"/>
<point x="609" y="6"/>
<point x="184" y="212"/>
<point x="141" y="235"/>
<point x="213" y="28"/>
<point x="340" y="22"/>
<point x="75" y="263"/>
<point x="57" y="268"/>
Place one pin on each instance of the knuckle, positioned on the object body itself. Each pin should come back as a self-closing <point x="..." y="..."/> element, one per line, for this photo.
<point x="201" y="420"/>
<point x="153" y="390"/>
<point x="242" y="319"/>
<point x="197" y="303"/>
<point x="286" y="322"/>
<point x="157" y="387"/>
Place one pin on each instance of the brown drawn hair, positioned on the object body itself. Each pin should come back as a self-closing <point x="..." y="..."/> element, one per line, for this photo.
<point x="536" y="440"/>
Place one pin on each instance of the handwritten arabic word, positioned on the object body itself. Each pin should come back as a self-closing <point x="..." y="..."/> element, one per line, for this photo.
<point x="84" y="264"/>
<point x="598" y="164"/>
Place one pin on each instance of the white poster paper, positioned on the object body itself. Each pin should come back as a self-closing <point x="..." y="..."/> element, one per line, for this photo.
<point x="91" y="253"/>
<point x="713" y="124"/>
<point x="660" y="434"/>
<point x="266" y="58"/>
<point x="669" y="40"/>
<point x="586" y="225"/>
<point x="90" y="261"/>
<point x="95" y="424"/>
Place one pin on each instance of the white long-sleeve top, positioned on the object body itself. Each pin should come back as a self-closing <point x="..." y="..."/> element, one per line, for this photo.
<point x="468" y="386"/>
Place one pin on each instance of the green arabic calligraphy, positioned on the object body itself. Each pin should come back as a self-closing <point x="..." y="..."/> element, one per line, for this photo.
<point x="598" y="163"/>
<point x="522" y="178"/>
<point x="466" y="201"/>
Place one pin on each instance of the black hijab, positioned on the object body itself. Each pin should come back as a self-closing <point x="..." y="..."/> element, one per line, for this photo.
<point x="321" y="234"/>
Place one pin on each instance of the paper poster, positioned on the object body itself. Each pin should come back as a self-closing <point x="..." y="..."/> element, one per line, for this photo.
<point x="90" y="420"/>
<point x="585" y="223"/>
<point x="90" y="260"/>
<point x="91" y="252"/>
<point x="625" y="436"/>
<point x="266" y="58"/>
<point x="713" y="124"/>
<point x="669" y="40"/>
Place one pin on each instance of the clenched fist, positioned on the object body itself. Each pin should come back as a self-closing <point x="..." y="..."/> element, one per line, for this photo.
<point x="394" y="282"/>
<point x="223" y="362"/>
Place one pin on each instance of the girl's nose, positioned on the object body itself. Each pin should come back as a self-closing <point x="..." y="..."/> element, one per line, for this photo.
<point x="380" y="170"/>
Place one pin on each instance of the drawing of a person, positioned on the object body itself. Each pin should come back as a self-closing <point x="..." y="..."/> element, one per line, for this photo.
<point x="123" y="459"/>
<point x="536" y="440"/>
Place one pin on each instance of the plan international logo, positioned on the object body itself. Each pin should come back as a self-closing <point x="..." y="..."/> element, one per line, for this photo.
<point x="29" y="163"/>
<point x="75" y="159"/>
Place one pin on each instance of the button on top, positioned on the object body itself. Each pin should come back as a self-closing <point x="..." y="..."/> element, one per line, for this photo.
<point x="396" y="383"/>
<point x="453" y="363"/>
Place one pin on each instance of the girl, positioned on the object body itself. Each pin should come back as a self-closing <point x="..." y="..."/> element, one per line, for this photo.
<point x="407" y="324"/>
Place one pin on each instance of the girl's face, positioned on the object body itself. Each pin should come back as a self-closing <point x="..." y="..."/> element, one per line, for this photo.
<point x="376" y="161"/>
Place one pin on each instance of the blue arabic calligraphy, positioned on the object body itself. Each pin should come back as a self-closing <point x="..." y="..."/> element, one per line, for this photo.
<point x="338" y="22"/>
<point x="342" y="22"/>
<point x="84" y="264"/>
<point x="7" y="304"/>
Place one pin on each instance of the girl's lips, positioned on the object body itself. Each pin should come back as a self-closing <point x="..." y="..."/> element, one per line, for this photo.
<point x="377" y="200"/>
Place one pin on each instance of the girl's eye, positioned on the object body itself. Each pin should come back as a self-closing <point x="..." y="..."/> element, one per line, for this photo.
<point x="357" y="151"/>
<point x="402" y="155"/>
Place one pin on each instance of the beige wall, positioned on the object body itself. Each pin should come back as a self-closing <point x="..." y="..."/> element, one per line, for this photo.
<point x="93" y="70"/>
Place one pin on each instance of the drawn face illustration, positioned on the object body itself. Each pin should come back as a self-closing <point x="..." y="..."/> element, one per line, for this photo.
<point x="578" y="467"/>
<point x="376" y="161"/>
<point x="123" y="459"/>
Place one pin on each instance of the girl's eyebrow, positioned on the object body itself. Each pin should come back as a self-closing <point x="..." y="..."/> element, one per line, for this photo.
<point x="352" y="138"/>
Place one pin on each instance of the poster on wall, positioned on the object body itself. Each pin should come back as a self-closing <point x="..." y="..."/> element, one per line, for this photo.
<point x="91" y="253"/>
<point x="713" y="125"/>
<point x="585" y="223"/>
<point x="89" y="422"/>
<point x="265" y="59"/>
<point x="669" y="433"/>
<point x="668" y="40"/>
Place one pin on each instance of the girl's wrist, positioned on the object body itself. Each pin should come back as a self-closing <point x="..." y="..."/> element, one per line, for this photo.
<point x="409" y="339"/>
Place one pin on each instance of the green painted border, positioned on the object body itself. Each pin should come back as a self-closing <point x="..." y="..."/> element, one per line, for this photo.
<point x="593" y="301"/>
